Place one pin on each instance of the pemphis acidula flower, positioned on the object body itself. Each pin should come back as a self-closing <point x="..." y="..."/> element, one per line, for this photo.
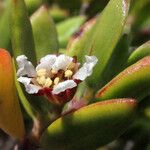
<point x="55" y="77"/>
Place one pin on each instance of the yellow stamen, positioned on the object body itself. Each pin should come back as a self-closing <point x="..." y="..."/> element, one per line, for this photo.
<point x="71" y="66"/>
<point x="53" y="71"/>
<point x="48" y="82"/>
<point x="41" y="72"/>
<point x="68" y="73"/>
<point x="56" y="80"/>
<point x="41" y="80"/>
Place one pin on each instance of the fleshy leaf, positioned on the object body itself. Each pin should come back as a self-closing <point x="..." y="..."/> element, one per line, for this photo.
<point x="117" y="62"/>
<point x="77" y="41"/>
<point x="67" y="28"/>
<point x="32" y="5"/>
<point x="103" y="38"/>
<point x="22" y="38"/>
<point x="58" y="14"/>
<point x="5" y="27"/>
<point x="11" y="120"/>
<point x="139" y="53"/>
<point x="140" y="21"/>
<point x="44" y="31"/>
<point x="90" y="126"/>
<point x="132" y="82"/>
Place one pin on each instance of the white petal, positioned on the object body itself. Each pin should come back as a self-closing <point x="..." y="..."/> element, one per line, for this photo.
<point x="47" y="62"/>
<point x="20" y="60"/>
<point x="62" y="86"/>
<point x="30" y="88"/>
<point x="24" y="80"/>
<point x="62" y="62"/>
<point x="25" y="67"/>
<point x="87" y="68"/>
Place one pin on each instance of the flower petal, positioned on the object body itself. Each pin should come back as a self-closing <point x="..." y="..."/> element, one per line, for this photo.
<point x="25" y="67"/>
<point x="62" y="62"/>
<point x="47" y="62"/>
<point x="24" y="80"/>
<point x="30" y="88"/>
<point x="62" y="86"/>
<point x="87" y="68"/>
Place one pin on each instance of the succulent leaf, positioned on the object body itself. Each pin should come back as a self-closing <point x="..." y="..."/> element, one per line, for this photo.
<point x="11" y="120"/>
<point x="90" y="126"/>
<point x="132" y="82"/>
<point x="139" y="53"/>
<point x="44" y="32"/>
<point x="67" y="28"/>
<point x="58" y="14"/>
<point x="76" y="43"/>
<point x="103" y="38"/>
<point x="32" y="5"/>
<point x="117" y="62"/>
<point x="22" y="38"/>
<point x="5" y="27"/>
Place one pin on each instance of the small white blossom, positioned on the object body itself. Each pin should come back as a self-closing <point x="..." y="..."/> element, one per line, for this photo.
<point x="62" y="62"/>
<point x="87" y="68"/>
<point x="46" y="62"/>
<point x="57" y="73"/>
<point x="62" y="86"/>
<point x="25" y="67"/>
<point x="30" y="88"/>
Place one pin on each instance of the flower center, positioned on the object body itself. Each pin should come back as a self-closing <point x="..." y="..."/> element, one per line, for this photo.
<point x="46" y="78"/>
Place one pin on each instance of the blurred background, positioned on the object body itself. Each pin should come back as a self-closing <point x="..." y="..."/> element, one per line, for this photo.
<point x="74" y="13"/>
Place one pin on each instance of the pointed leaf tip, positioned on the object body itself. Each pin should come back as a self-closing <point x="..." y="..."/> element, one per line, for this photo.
<point x="44" y="32"/>
<point x="21" y="31"/>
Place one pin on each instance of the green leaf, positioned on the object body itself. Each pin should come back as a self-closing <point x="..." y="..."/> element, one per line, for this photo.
<point x="132" y="82"/>
<point x="22" y="41"/>
<point x="5" y="27"/>
<point x="44" y="32"/>
<point x="58" y="14"/>
<point x="67" y="28"/>
<point x="91" y="126"/>
<point x="32" y="5"/>
<point x="139" y="53"/>
<point x="117" y="62"/>
<point x="76" y="43"/>
<point x="140" y="22"/>
<point x="105" y="35"/>
<point x="22" y="38"/>
<point x="140" y="11"/>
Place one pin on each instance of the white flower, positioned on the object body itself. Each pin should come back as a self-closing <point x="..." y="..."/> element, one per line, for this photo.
<point x="87" y="68"/>
<point x="62" y="62"/>
<point x="57" y="73"/>
<point x="47" y="62"/>
<point x="25" y="67"/>
<point x="62" y="86"/>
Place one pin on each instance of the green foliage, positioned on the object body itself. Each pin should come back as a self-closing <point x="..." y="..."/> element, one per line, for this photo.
<point x="139" y="53"/>
<point x="5" y="27"/>
<point x="90" y="126"/>
<point x="67" y="28"/>
<point x="119" y="38"/>
<point x="21" y="31"/>
<point x="132" y="82"/>
<point x="44" y="32"/>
